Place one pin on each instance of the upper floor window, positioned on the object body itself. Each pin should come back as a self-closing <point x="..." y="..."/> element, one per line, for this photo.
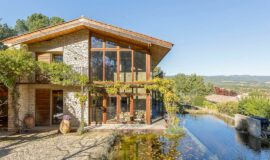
<point x="112" y="60"/>
<point x="110" y="44"/>
<point x="48" y="57"/>
<point x="57" y="58"/>
<point x="96" y="42"/>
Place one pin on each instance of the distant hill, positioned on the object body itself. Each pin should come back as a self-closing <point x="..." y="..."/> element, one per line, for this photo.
<point x="238" y="82"/>
<point x="238" y="78"/>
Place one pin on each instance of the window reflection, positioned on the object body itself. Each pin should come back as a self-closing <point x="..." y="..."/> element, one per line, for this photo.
<point x="57" y="106"/>
<point x="97" y="65"/>
<point x="110" y="66"/>
<point x="125" y="66"/>
<point x="110" y="44"/>
<point x="139" y="66"/>
<point x="96" y="42"/>
<point x="111" y="109"/>
<point x="57" y="58"/>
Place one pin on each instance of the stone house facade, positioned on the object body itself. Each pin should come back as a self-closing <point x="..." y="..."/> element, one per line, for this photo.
<point x="105" y="53"/>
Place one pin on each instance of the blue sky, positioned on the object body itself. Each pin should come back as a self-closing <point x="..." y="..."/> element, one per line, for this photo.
<point x="211" y="37"/>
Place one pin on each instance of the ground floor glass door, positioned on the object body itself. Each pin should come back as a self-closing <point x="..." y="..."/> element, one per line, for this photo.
<point x="96" y="109"/>
<point x="57" y="106"/>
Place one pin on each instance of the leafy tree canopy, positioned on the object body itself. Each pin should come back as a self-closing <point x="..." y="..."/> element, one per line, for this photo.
<point x="188" y="86"/>
<point x="15" y="64"/>
<point x="37" y="21"/>
<point x="56" y="20"/>
<point x="5" y="32"/>
<point x="21" y="26"/>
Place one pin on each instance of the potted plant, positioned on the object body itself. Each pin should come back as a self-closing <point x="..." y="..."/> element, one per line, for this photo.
<point x="29" y="121"/>
<point x="65" y="124"/>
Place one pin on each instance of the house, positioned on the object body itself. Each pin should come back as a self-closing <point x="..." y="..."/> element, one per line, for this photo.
<point x="104" y="53"/>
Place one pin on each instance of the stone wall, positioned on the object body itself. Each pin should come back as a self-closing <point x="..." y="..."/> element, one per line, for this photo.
<point x="75" y="51"/>
<point x="246" y="123"/>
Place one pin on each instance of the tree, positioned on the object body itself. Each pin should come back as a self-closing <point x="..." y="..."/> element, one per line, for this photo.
<point x="15" y="64"/>
<point x="190" y="87"/>
<point x="21" y="26"/>
<point x="5" y="32"/>
<point x="56" y="20"/>
<point x="37" y="21"/>
<point x="167" y="88"/>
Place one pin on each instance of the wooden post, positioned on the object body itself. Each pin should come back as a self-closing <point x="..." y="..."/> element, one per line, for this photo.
<point x="148" y="109"/>
<point x="148" y="98"/>
<point x="118" y="107"/>
<point x="104" y="109"/>
<point x="118" y="63"/>
<point x="131" y="106"/>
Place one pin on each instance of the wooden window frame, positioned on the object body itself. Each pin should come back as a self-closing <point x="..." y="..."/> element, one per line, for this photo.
<point x="132" y="48"/>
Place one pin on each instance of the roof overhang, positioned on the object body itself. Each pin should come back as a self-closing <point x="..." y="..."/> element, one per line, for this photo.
<point x="157" y="47"/>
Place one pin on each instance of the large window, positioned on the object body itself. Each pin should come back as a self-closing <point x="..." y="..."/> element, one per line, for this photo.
<point x="139" y="66"/>
<point x="96" y="42"/>
<point x="97" y="65"/>
<point x="125" y="66"/>
<point x="110" y="66"/>
<point x="107" y="66"/>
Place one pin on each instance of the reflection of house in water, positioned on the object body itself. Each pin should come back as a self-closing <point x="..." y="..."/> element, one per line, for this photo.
<point x="254" y="143"/>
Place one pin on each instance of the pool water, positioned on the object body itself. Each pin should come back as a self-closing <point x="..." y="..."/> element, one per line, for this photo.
<point x="222" y="141"/>
<point x="206" y="138"/>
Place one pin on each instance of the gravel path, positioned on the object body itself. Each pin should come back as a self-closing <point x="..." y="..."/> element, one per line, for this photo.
<point x="51" y="145"/>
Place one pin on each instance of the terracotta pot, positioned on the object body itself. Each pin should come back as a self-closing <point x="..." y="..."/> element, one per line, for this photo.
<point x="29" y="121"/>
<point x="64" y="126"/>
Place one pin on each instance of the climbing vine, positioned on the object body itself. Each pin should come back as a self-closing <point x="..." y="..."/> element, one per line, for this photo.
<point x="167" y="88"/>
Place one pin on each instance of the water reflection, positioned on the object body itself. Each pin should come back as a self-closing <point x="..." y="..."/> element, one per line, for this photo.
<point x="147" y="146"/>
<point x="254" y="143"/>
<point x="223" y="141"/>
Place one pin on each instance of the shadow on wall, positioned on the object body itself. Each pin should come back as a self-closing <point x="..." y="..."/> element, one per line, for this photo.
<point x="72" y="108"/>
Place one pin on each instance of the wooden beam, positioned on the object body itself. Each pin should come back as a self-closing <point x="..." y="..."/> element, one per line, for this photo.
<point x="118" y="107"/>
<point x="132" y="65"/>
<point x="148" y="109"/>
<point x="131" y="105"/>
<point x="118" y="63"/>
<point x="148" y="67"/>
<point x="104" y="109"/>
<point x="103" y="60"/>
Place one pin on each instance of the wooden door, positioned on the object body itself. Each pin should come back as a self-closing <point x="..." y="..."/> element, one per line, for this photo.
<point x="43" y="100"/>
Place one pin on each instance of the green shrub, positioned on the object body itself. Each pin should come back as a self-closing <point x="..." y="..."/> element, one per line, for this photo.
<point x="210" y="105"/>
<point x="256" y="104"/>
<point x="229" y="108"/>
<point x="198" y="101"/>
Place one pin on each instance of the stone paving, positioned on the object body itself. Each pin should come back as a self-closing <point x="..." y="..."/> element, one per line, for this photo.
<point x="51" y="145"/>
<point x="155" y="127"/>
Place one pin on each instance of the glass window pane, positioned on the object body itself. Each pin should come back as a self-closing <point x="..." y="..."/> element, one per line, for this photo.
<point x="110" y="44"/>
<point x="139" y="66"/>
<point x="124" y="104"/>
<point x="96" y="109"/>
<point x="58" y="58"/>
<point x="96" y="42"/>
<point x="125" y="66"/>
<point x="140" y="108"/>
<point x="97" y="65"/>
<point x="57" y="106"/>
<point x="111" y="109"/>
<point x="110" y="66"/>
